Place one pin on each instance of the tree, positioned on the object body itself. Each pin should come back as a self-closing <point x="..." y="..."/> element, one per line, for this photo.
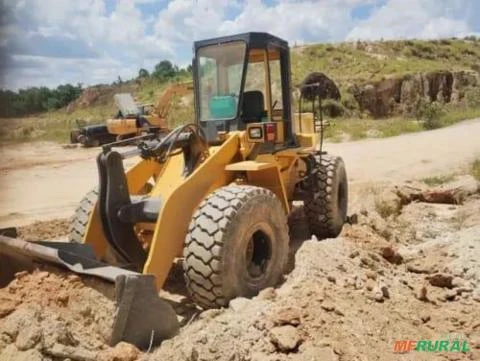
<point x="164" y="70"/>
<point x="143" y="73"/>
<point x="35" y="100"/>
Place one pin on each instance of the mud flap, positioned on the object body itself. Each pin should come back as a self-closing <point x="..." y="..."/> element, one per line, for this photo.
<point x="141" y="316"/>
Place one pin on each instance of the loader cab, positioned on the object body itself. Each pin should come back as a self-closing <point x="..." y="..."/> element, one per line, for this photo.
<point x="242" y="81"/>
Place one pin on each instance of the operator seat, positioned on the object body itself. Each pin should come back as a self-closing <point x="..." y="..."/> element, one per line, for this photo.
<point x="253" y="107"/>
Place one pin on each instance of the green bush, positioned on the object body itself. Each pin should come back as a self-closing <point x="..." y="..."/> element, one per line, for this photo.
<point x="430" y="113"/>
<point x="333" y="108"/>
<point x="349" y="101"/>
<point x="472" y="97"/>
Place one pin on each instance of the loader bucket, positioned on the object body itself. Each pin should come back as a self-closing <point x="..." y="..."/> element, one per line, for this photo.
<point x="141" y="318"/>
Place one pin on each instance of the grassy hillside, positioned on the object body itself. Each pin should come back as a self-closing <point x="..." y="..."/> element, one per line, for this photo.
<point x="358" y="62"/>
<point x="346" y="63"/>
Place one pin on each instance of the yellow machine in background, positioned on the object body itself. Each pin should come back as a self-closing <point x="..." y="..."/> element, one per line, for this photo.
<point x="135" y="119"/>
<point x="217" y="193"/>
<point x="132" y="119"/>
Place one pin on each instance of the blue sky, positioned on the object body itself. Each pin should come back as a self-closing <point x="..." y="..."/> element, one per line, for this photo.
<point x="49" y="42"/>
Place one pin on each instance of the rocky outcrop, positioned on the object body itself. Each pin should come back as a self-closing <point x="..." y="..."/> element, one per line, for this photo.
<point x="400" y="95"/>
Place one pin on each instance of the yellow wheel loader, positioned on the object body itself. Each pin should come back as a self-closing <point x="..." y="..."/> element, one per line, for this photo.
<point x="216" y="193"/>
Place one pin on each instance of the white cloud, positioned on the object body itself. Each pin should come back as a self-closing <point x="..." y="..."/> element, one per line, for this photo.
<point x="414" y="19"/>
<point x="295" y="20"/>
<point x="185" y="20"/>
<point x="122" y="40"/>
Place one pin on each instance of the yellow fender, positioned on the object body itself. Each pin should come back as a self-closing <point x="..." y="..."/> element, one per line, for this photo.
<point x="180" y="202"/>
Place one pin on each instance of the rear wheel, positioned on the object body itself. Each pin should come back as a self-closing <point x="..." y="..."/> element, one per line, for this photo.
<point x="78" y="225"/>
<point x="327" y="200"/>
<point x="237" y="245"/>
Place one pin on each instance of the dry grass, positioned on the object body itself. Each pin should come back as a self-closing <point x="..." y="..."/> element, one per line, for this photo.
<point x="438" y="180"/>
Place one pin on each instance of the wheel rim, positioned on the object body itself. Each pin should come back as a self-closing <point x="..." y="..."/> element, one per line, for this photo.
<point x="258" y="254"/>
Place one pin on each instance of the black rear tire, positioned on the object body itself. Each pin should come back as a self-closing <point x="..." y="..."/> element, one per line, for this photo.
<point x="237" y="245"/>
<point x="79" y="222"/>
<point x="327" y="201"/>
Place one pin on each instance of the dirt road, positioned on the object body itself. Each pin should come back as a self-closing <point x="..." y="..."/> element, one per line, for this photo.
<point x="41" y="181"/>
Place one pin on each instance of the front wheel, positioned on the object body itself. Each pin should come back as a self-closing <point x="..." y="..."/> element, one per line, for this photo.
<point x="237" y="245"/>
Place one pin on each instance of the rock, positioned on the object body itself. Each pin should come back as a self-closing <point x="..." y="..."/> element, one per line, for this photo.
<point x="212" y="313"/>
<point x="371" y="274"/>
<point x="74" y="353"/>
<point x="6" y="308"/>
<point x="418" y="267"/>
<point x="457" y="282"/>
<point x="285" y="338"/>
<point x="286" y="316"/>
<point x="391" y="255"/>
<point x="62" y="298"/>
<point x="422" y="294"/>
<point x="327" y="306"/>
<point x="188" y="351"/>
<point x="316" y="353"/>
<point x="450" y="295"/>
<point x="385" y="291"/>
<point x="354" y="254"/>
<point x="11" y="353"/>
<point x="267" y="294"/>
<point x="69" y="146"/>
<point x="370" y="285"/>
<point x="28" y="337"/>
<point x="352" y="219"/>
<point x="465" y="289"/>
<point x="441" y="280"/>
<point x="121" y="352"/>
<point x="239" y="303"/>
<point x="425" y="318"/>
<point x="332" y="279"/>
<point x="377" y="294"/>
<point x="19" y="319"/>
<point x="338" y="312"/>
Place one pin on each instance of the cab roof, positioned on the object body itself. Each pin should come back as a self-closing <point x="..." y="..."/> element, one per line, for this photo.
<point x="253" y="40"/>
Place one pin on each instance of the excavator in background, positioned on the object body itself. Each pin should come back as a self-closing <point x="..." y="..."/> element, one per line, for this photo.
<point x="215" y="193"/>
<point x="132" y="119"/>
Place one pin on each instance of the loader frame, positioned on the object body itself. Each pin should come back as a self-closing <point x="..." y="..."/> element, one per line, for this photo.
<point x="233" y="156"/>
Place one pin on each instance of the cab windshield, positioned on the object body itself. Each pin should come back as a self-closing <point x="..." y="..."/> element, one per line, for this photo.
<point x="220" y="69"/>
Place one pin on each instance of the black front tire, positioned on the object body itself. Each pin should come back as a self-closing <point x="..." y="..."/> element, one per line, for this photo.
<point x="237" y="245"/>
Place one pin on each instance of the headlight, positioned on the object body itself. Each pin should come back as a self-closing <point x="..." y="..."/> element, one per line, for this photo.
<point x="255" y="133"/>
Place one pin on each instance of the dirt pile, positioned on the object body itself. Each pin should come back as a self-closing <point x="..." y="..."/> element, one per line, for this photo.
<point x="51" y="315"/>
<point x="45" y="230"/>
<point x="100" y="95"/>
<point x="411" y="275"/>
<point x="400" y="271"/>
